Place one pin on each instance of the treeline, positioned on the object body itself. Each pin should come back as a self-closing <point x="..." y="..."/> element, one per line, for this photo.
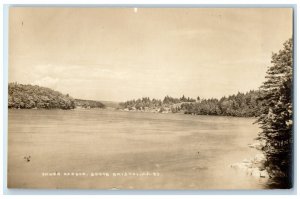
<point x="27" y="96"/>
<point x="88" y="103"/>
<point x="240" y="105"/>
<point x="141" y="104"/>
<point x="32" y="96"/>
<point x="172" y="100"/>
<point x="147" y="103"/>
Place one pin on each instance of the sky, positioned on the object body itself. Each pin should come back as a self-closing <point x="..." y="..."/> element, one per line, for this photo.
<point x="117" y="54"/>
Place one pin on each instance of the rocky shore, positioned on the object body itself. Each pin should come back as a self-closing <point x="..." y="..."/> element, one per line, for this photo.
<point x="255" y="166"/>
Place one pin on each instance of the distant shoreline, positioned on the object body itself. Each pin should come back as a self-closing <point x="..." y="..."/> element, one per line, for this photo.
<point x="131" y="111"/>
<point x="26" y="96"/>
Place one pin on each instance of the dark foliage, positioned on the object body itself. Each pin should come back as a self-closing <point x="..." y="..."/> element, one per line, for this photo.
<point x="277" y="114"/>
<point x="29" y="96"/>
<point x="240" y="105"/>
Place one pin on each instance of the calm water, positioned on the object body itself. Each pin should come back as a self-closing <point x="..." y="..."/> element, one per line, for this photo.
<point x="188" y="152"/>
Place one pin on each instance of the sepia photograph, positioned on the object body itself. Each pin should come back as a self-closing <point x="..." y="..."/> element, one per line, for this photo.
<point x="150" y="98"/>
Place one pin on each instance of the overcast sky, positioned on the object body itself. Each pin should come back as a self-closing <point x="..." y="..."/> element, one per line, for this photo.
<point x="119" y="54"/>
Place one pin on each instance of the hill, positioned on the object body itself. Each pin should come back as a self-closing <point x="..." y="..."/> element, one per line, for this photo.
<point x="32" y="96"/>
<point x="80" y="103"/>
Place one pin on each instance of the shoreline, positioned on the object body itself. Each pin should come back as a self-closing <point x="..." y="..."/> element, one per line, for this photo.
<point x="180" y="112"/>
<point x="254" y="166"/>
<point x="132" y="111"/>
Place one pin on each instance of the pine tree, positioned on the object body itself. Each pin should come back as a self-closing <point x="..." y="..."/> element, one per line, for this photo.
<point x="276" y="116"/>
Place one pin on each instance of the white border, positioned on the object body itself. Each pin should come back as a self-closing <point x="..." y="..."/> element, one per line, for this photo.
<point x="143" y="2"/>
